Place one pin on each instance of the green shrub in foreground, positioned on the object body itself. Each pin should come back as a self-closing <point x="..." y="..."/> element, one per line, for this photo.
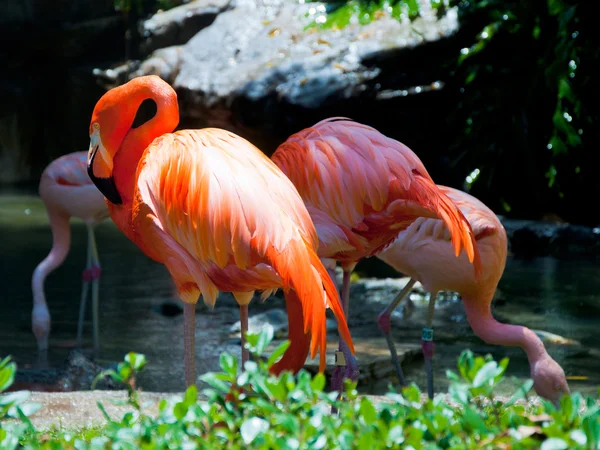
<point x="257" y="410"/>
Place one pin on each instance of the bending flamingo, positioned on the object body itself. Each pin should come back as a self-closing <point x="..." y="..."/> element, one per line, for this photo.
<point x="422" y="251"/>
<point x="361" y="188"/>
<point x="215" y="211"/>
<point x="67" y="191"/>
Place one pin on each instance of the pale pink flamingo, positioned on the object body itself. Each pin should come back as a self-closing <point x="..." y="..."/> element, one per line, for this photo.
<point x="422" y="252"/>
<point x="361" y="188"/>
<point x="67" y="191"/>
<point x="215" y="211"/>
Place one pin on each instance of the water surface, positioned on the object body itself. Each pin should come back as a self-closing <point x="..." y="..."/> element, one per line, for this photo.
<point x="557" y="296"/>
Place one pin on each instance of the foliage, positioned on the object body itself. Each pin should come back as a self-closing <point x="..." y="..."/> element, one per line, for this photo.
<point x="521" y="100"/>
<point x="338" y="14"/>
<point x="521" y="80"/>
<point x="13" y="405"/>
<point x="254" y="409"/>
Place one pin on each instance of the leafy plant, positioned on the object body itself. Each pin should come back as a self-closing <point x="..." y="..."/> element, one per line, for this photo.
<point x="13" y="405"/>
<point x="339" y="14"/>
<point x="257" y="410"/>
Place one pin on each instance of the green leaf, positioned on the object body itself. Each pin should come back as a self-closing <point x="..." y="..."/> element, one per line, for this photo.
<point x="367" y="411"/>
<point x="14" y="398"/>
<point x="264" y="339"/>
<point x="521" y="392"/>
<point x="277" y="353"/>
<point x="487" y="373"/>
<point x="104" y="413"/>
<point x="211" y="379"/>
<point x="191" y="395"/>
<point x="229" y="365"/>
<point x="136" y="360"/>
<point x="7" y="373"/>
<point x="251" y="428"/>
<point x="554" y="444"/>
<point x="318" y="382"/>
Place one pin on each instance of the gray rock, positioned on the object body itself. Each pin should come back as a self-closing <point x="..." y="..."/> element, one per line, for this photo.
<point x="530" y="238"/>
<point x="178" y="25"/>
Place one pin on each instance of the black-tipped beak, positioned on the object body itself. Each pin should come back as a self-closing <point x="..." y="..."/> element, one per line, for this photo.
<point x="105" y="185"/>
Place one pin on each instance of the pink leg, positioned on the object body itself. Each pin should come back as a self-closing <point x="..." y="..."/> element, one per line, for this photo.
<point x="348" y="368"/>
<point x="244" y="330"/>
<point x="384" y="322"/>
<point x="189" y="337"/>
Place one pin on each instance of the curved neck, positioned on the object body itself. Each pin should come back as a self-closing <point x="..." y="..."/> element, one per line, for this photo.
<point x="61" y="241"/>
<point x="138" y="139"/>
<point x="491" y="331"/>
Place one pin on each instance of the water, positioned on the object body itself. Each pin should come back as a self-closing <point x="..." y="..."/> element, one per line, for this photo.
<point x="137" y="297"/>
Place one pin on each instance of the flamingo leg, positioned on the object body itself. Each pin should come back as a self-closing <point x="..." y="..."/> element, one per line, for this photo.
<point x="384" y="323"/>
<point x="348" y="362"/>
<point x="427" y="343"/>
<point x="244" y="330"/>
<point x="189" y="338"/>
<point x="95" y="276"/>
<point x="84" y="290"/>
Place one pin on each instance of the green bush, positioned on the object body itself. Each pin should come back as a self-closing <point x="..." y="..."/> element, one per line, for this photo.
<point x="254" y="409"/>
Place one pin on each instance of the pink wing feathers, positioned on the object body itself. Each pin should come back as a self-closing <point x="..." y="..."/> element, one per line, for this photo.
<point x="367" y="186"/>
<point x="69" y="170"/>
<point x="235" y="220"/>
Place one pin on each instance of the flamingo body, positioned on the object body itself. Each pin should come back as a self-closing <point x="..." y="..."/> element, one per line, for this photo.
<point x="361" y="188"/>
<point x="422" y="252"/>
<point x="66" y="191"/>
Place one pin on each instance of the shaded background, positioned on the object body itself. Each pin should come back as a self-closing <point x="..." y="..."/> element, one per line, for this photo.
<point x="526" y="86"/>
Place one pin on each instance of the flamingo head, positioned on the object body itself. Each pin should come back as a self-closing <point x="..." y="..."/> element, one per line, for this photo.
<point x="549" y="379"/>
<point x="112" y="120"/>
<point x="40" y="324"/>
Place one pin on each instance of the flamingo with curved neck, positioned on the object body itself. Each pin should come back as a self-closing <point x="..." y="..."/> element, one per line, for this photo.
<point x="67" y="191"/>
<point x="215" y="211"/>
<point x="422" y="251"/>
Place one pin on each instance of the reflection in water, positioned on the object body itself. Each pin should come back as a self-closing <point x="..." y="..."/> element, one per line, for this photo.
<point x="557" y="296"/>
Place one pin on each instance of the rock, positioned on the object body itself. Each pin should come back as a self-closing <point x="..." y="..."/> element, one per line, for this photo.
<point x="77" y="373"/>
<point x="178" y="25"/>
<point x="373" y="357"/>
<point x="255" y="70"/>
<point x="530" y="238"/>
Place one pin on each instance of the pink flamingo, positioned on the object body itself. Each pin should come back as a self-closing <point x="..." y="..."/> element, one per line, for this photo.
<point x="422" y="251"/>
<point x="216" y="212"/>
<point x="361" y="188"/>
<point x="67" y="191"/>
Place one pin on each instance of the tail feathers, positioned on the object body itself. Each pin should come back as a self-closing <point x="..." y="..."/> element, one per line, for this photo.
<point x="424" y="192"/>
<point x="295" y="356"/>
<point x="304" y="278"/>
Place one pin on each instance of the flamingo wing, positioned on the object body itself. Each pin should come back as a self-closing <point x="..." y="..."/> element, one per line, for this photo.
<point x="70" y="170"/>
<point x="365" y="181"/>
<point x="226" y="206"/>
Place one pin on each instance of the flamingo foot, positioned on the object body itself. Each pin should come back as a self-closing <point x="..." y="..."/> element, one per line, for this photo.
<point x="428" y="350"/>
<point x="384" y="323"/>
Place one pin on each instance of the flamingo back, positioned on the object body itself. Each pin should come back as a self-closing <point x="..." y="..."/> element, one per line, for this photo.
<point x="69" y="170"/>
<point x="366" y="186"/>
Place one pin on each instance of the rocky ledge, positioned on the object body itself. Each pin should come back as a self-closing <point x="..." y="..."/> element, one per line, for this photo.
<point x="259" y="69"/>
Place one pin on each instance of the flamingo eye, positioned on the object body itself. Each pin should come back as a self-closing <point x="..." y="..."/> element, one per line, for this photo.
<point x="96" y="126"/>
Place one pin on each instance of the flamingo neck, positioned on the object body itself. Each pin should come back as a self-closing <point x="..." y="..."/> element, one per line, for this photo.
<point x="61" y="241"/>
<point x="493" y="332"/>
<point x="138" y="139"/>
